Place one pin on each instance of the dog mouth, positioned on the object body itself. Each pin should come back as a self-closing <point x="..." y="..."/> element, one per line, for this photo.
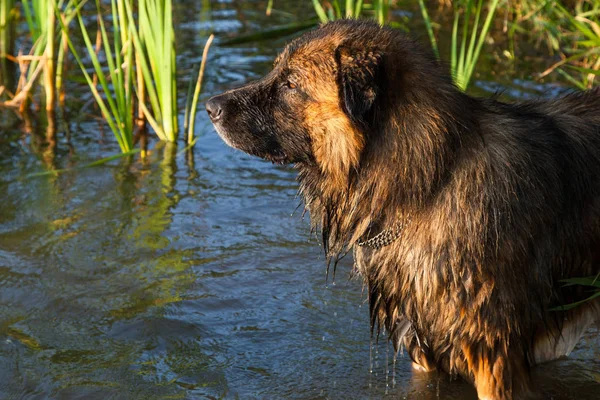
<point x="277" y="158"/>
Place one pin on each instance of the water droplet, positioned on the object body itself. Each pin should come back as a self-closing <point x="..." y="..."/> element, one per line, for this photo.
<point x="394" y="369"/>
<point x="387" y="367"/>
<point x="371" y="356"/>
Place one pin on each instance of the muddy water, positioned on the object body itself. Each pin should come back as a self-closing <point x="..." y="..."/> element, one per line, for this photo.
<point x="186" y="276"/>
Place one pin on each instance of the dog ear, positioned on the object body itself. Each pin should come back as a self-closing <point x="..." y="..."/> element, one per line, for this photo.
<point x="357" y="70"/>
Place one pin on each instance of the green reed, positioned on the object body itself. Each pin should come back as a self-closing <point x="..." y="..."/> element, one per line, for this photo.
<point x="36" y="13"/>
<point x="155" y="45"/>
<point x="115" y="77"/>
<point x="48" y="52"/>
<point x="332" y="10"/>
<point x="41" y="21"/>
<point x="7" y="36"/>
<point x="134" y="63"/>
<point x="464" y="51"/>
<point x="194" y="102"/>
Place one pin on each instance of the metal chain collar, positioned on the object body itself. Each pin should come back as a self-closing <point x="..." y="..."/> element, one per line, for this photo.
<point x="385" y="237"/>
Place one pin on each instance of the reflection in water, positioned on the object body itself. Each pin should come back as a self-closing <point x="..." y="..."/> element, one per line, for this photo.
<point x="87" y="282"/>
<point x="183" y="275"/>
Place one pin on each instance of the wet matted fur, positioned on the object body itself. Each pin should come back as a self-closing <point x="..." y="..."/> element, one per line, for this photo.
<point x="497" y="202"/>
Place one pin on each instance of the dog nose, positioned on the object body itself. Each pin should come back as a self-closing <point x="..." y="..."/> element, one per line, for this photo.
<point x="214" y="108"/>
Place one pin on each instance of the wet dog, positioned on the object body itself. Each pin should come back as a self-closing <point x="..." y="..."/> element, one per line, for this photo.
<point x="464" y="213"/>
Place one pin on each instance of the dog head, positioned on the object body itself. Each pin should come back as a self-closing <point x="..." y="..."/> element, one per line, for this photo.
<point x="317" y="103"/>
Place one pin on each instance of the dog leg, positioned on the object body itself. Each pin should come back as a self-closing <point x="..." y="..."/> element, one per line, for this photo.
<point x="422" y="363"/>
<point x="558" y="341"/>
<point x="421" y="359"/>
<point x="497" y="376"/>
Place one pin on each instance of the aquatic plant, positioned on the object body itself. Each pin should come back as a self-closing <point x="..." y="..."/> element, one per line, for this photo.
<point x="41" y="17"/>
<point x="429" y="27"/>
<point x="463" y="58"/>
<point x="134" y="64"/>
<point x="155" y="53"/>
<point x="332" y="10"/>
<point x="41" y="20"/>
<point x="191" y="111"/>
<point x="115" y="78"/>
<point x="7" y="17"/>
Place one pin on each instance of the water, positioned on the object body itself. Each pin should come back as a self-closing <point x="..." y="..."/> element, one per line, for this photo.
<point x="185" y="276"/>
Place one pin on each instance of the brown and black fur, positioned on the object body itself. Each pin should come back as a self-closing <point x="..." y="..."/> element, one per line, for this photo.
<point x="499" y="202"/>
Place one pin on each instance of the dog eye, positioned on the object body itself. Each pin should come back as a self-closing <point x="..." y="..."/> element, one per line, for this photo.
<point x="290" y="85"/>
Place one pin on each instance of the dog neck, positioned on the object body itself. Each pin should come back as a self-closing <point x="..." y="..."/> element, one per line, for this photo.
<point x="348" y="217"/>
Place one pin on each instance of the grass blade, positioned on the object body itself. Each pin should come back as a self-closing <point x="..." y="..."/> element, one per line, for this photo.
<point x="320" y="11"/>
<point x="190" y="138"/>
<point x="429" y="28"/>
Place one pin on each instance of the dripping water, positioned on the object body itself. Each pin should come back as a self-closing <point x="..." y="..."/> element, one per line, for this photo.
<point x="370" y="361"/>
<point x="394" y="368"/>
<point x="371" y="356"/>
<point x="376" y="358"/>
<point x="387" y="365"/>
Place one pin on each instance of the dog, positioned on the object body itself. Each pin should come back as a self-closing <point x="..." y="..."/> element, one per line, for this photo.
<point x="464" y="214"/>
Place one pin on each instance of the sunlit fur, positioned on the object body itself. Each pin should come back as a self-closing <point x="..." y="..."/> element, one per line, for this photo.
<point x="499" y="201"/>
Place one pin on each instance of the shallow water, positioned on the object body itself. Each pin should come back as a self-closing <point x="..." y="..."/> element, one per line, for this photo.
<point x="186" y="276"/>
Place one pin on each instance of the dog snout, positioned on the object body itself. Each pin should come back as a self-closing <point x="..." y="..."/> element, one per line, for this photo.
<point x="214" y="108"/>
